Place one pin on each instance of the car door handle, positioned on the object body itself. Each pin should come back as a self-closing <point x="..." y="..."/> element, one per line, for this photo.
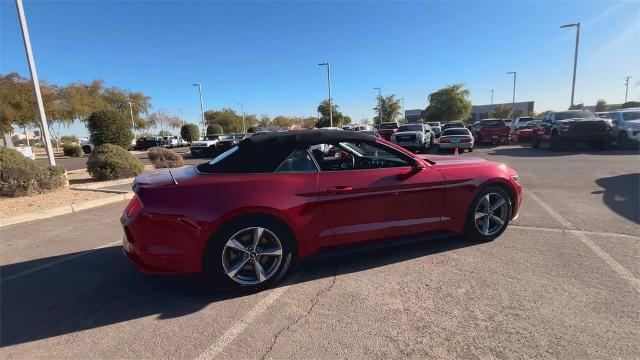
<point x="339" y="189"/>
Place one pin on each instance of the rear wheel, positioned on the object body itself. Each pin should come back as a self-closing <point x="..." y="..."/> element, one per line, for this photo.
<point x="556" y="142"/>
<point x="251" y="253"/>
<point x="470" y="149"/>
<point x="623" y="140"/>
<point x="488" y="215"/>
<point x="535" y="142"/>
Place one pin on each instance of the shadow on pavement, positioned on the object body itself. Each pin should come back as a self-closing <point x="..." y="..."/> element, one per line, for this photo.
<point x="101" y="288"/>
<point x="531" y="152"/>
<point x="622" y="195"/>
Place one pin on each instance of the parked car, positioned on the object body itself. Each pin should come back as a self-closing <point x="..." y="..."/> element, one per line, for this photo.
<point x="86" y="145"/>
<point x="387" y="129"/>
<point x="567" y="128"/>
<point x="436" y="126"/>
<point x="524" y="131"/>
<point x="626" y="126"/>
<point x="228" y="143"/>
<point x="170" y="141"/>
<point x="249" y="215"/>
<point x="452" y="124"/>
<point x="362" y="127"/>
<point x="182" y="142"/>
<point x="456" y="138"/>
<point x="373" y="133"/>
<point x="415" y="137"/>
<point x="146" y="143"/>
<point x="494" y="131"/>
<point x="206" y="147"/>
<point x="523" y="120"/>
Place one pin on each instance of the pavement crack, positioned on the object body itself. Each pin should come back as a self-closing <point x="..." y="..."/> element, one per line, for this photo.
<point x="316" y="298"/>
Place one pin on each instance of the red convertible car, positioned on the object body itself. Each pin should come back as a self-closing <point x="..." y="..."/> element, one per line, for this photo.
<point x="274" y="199"/>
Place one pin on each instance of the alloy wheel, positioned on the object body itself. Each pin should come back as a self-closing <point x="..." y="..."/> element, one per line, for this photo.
<point x="491" y="214"/>
<point x="252" y="256"/>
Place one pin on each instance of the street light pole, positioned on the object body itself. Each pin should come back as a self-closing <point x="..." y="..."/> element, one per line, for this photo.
<point x="36" y="83"/>
<point x="328" y="65"/>
<point x="181" y="116"/>
<point x="575" y="58"/>
<point x="626" y="84"/>
<point x="133" y="124"/>
<point x="492" y="96"/>
<point x="244" y="130"/>
<point x="403" y="117"/>
<point x="160" y="118"/>
<point x="204" y="129"/>
<point x="513" y="100"/>
<point x="379" y="103"/>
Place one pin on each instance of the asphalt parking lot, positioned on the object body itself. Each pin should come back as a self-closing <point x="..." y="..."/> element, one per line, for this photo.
<point x="562" y="282"/>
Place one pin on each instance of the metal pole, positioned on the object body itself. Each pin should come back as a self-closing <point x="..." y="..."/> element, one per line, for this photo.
<point x="513" y="100"/>
<point x="181" y="116"/>
<point x="575" y="58"/>
<point x="492" y="97"/>
<point x="379" y="104"/>
<point x="133" y="124"/>
<point x="36" y="83"/>
<point x="244" y="130"/>
<point x="204" y="128"/>
<point x="626" y="91"/>
<point x="330" y="106"/>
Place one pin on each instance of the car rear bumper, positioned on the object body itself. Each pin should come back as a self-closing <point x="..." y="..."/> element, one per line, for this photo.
<point x="464" y="145"/>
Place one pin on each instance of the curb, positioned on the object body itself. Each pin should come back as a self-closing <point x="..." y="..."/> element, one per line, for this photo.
<point x="63" y="210"/>
<point x="102" y="184"/>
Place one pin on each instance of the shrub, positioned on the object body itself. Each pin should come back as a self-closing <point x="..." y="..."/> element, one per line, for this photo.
<point x="165" y="158"/>
<point x="72" y="150"/>
<point x="109" y="162"/>
<point x="164" y="133"/>
<point x="214" y="129"/>
<point x="68" y="139"/>
<point x="110" y="127"/>
<point x="190" y="132"/>
<point x="20" y="176"/>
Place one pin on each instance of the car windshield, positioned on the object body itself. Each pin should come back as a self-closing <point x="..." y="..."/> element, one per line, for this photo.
<point x="631" y="115"/>
<point x="492" y="123"/>
<point x="433" y="124"/>
<point x="222" y="156"/>
<point x="389" y="126"/>
<point x="410" y="128"/>
<point x="456" y="131"/>
<point x="575" y="115"/>
<point x="217" y="137"/>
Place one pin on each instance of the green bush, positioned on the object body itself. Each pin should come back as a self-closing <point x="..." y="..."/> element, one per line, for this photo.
<point x="110" y="127"/>
<point x="20" y="176"/>
<point x="68" y="139"/>
<point x="190" y="132"/>
<point x="214" y="129"/>
<point x="109" y="162"/>
<point x="72" y="150"/>
<point x="165" y="158"/>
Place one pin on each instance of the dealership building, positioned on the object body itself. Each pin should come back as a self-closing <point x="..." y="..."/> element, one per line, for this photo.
<point x="478" y="112"/>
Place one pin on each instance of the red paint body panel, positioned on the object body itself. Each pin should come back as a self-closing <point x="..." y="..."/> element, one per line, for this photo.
<point x="169" y="231"/>
<point x="495" y="133"/>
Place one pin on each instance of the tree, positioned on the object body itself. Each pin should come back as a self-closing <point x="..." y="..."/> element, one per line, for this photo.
<point x="631" y="104"/>
<point x="501" y="112"/>
<point x="449" y="103"/>
<point x="190" y="132"/>
<point x="264" y="121"/>
<point x="285" y="121"/>
<point x="164" y="133"/>
<point x="174" y="122"/>
<point x="309" y="122"/>
<point x="601" y="105"/>
<point x="577" y="107"/>
<point x="110" y="127"/>
<point x="227" y="118"/>
<point x="541" y="115"/>
<point x="387" y="106"/>
<point x="214" y="129"/>
<point x="339" y="119"/>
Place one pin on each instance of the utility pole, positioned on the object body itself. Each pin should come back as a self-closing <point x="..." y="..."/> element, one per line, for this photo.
<point x="626" y="84"/>
<point x="36" y="83"/>
<point x="244" y="130"/>
<point x="328" y="65"/>
<point x="492" y="96"/>
<point x="575" y="57"/>
<point x="181" y="116"/>
<point x="379" y="103"/>
<point x="204" y="128"/>
<point x="513" y="100"/>
<point x="403" y="117"/>
<point x="133" y="124"/>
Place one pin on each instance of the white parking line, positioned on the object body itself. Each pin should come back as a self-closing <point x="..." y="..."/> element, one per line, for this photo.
<point x="56" y="262"/>
<point x="613" y="264"/>
<point x="562" y="230"/>
<point x="216" y="348"/>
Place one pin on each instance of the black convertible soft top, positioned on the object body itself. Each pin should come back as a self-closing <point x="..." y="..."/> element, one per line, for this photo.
<point x="266" y="151"/>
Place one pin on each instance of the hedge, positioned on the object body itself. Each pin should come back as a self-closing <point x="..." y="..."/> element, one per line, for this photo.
<point x="110" y="127"/>
<point x="20" y="176"/>
<point x="109" y="162"/>
<point x="72" y="150"/>
<point x="165" y="158"/>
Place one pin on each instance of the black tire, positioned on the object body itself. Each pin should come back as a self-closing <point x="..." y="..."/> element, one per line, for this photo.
<point x="556" y="142"/>
<point x="623" y="140"/>
<point x="535" y="142"/>
<point x="603" y="144"/>
<point x="471" y="149"/>
<point x="212" y="261"/>
<point x="471" y="231"/>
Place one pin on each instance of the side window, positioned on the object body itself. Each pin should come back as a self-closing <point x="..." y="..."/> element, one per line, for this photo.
<point x="298" y="161"/>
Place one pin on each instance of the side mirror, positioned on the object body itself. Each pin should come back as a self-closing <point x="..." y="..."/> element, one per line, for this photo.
<point x="417" y="165"/>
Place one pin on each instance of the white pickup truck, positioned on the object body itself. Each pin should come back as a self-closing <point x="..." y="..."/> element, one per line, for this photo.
<point x="207" y="146"/>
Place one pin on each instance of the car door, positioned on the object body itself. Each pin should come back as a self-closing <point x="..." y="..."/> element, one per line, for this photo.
<point x="375" y="203"/>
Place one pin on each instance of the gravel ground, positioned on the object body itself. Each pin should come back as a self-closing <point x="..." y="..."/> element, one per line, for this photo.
<point x="26" y="204"/>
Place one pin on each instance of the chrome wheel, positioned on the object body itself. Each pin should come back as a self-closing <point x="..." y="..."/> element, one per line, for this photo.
<point x="491" y="214"/>
<point x="252" y="256"/>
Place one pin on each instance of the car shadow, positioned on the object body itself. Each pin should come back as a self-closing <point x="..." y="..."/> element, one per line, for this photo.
<point x="622" y="195"/>
<point x="531" y="152"/>
<point x="88" y="290"/>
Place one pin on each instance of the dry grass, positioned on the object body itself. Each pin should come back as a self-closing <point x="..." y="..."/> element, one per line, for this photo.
<point x="23" y="205"/>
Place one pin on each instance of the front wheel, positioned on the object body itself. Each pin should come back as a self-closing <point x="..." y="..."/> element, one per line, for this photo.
<point x="488" y="215"/>
<point x="251" y="253"/>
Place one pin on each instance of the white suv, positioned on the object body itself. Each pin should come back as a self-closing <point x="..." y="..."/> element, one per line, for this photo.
<point x="626" y="126"/>
<point x="414" y="137"/>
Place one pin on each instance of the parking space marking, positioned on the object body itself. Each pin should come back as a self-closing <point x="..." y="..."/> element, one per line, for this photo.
<point x="613" y="264"/>
<point x="216" y="348"/>
<point x="561" y="230"/>
<point x="59" y="261"/>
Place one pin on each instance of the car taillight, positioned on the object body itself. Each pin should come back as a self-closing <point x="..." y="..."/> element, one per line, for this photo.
<point x="135" y="205"/>
<point x="444" y="140"/>
<point x="465" y="139"/>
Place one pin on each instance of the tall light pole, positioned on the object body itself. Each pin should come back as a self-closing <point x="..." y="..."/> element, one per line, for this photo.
<point x="36" y="83"/>
<point x="204" y="128"/>
<point x="403" y="118"/>
<point x="626" y="84"/>
<point x="133" y="124"/>
<point x="379" y="103"/>
<point x="492" y="96"/>
<point x="329" y="81"/>
<point x="181" y="116"/>
<point x="242" y="111"/>
<point x="513" y="100"/>
<point x="160" y="118"/>
<point x="575" y="57"/>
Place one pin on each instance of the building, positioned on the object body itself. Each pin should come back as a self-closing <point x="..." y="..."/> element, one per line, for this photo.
<point x="479" y="112"/>
<point x="412" y="116"/>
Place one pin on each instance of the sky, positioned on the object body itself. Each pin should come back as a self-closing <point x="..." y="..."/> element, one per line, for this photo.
<point x="266" y="54"/>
